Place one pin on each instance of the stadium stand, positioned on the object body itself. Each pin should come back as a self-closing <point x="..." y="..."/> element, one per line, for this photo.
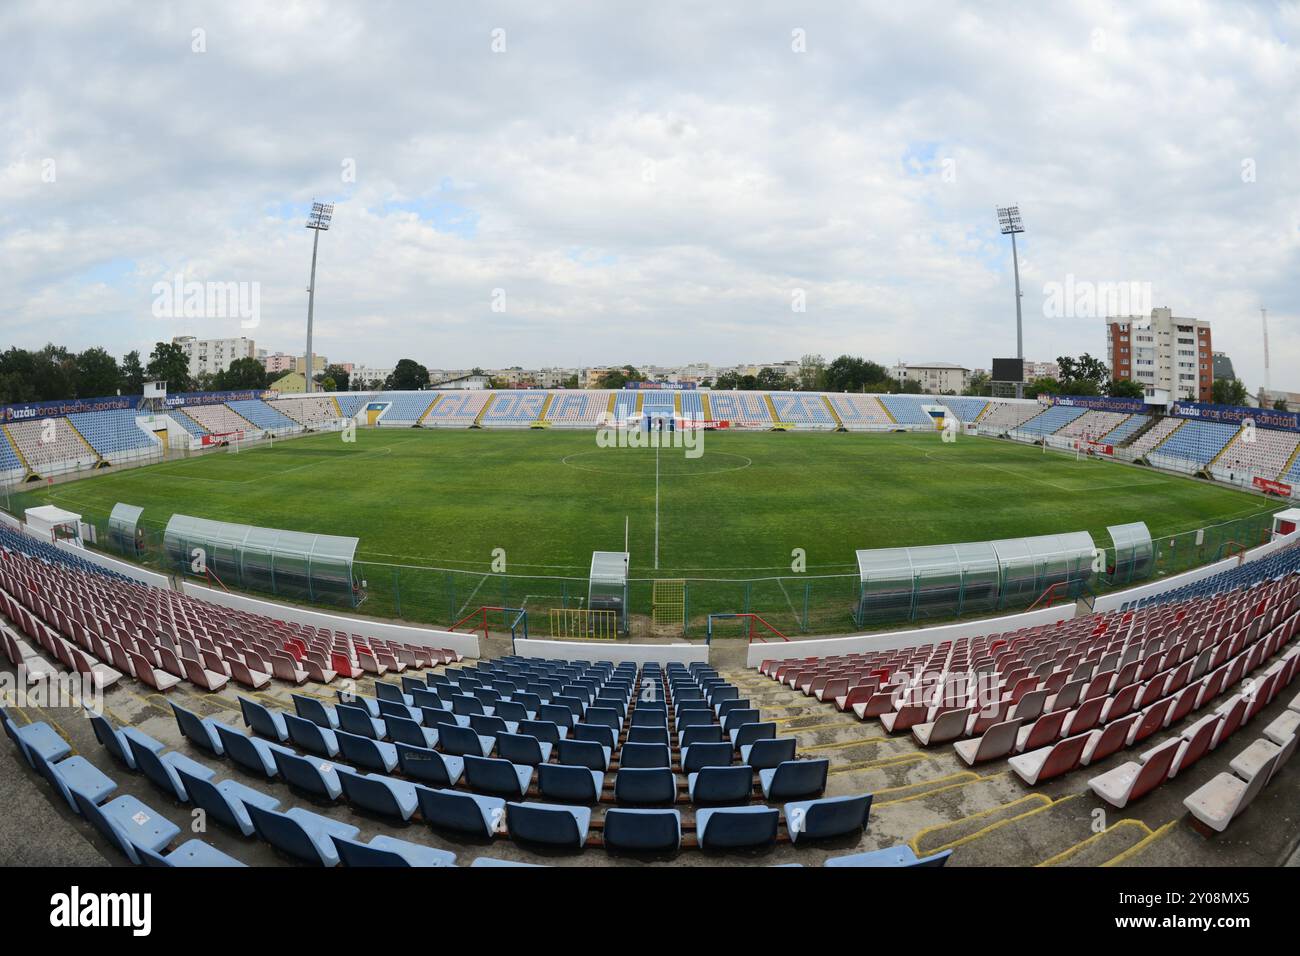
<point x="457" y="409"/>
<point x="1197" y="441"/>
<point x="659" y="403"/>
<point x="65" y="451"/>
<point x="907" y="409"/>
<point x="1004" y="416"/>
<point x="217" y="419"/>
<point x="112" y="433"/>
<point x="352" y="404"/>
<point x="311" y="410"/>
<point x="1265" y="452"/>
<point x="1281" y="563"/>
<point x="801" y="408"/>
<point x="1119" y="434"/>
<point x="625" y="403"/>
<point x="860" y="411"/>
<point x="404" y="408"/>
<point x="740" y="408"/>
<point x="1051" y="421"/>
<point x="578" y="408"/>
<point x="966" y="409"/>
<point x="692" y="406"/>
<point x="513" y="409"/>
<point x="179" y="416"/>
<point x="1158" y="432"/>
<point x="263" y="415"/>
<point x="1293" y="473"/>
<point x="1092" y="425"/>
<point x="9" y="460"/>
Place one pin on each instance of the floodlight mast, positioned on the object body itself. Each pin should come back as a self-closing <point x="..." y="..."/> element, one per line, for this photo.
<point x="318" y="222"/>
<point x="1009" y="221"/>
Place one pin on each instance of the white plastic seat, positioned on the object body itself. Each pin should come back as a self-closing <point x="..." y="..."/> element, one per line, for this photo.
<point x="1131" y="780"/>
<point x="1218" y="802"/>
<point x="1281" y="730"/>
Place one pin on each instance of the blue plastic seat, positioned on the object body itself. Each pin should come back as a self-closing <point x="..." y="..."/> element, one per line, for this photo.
<point x="549" y="823"/>
<point x="392" y="708"/>
<point x="434" y="718"/>
<point x="75" y="773"/>
<point x="765" y="754"/>
<point x="313" y="775"/>
<point x="584" y="753"/>
<point x="387" y="691"/>
<point x="463" y="812"/>
<point x="739" y="717"/>
<point x="724" y="707"/>
<point x="198" y="730"/>
<point x="902" y="855"/>
<point x="380" y="794"/>
<point x="191" y="853"/>
<point x="644" y="755"/>
<point x="251" y="753"/>
<point x="389" y="851"/>
<point x="794" y="779"/>
<point x="721" y="784"/>
<point x="644" y="716"/>
<point x="430" y="766"/>
<point x="829" y="817"/>
<point x="463" y="741"/>
<point x="127" y="823"/>
<point x="692" y="718"/>
<point x="309" y="708"/>
<point x="311" y="737"/>
<point x="627" y="829"/>
<point x="556" y="714"/>
<point x="115" y="740"/>
<point x="357" y="720"/>
<point x="645" y="785"/>
<point x="485" y="861"/>
<point x="39" y="736"/>
<point x="605" y="717"/>
<point x="752" y="733"/>
<point x="498" y="776"/>
<point x="726" y="827"/>
<point x="648" y="735"/>
<point x="596" y="734"/>
<point x="263" y="720"/>
<point x="522" y="749"/>
<point x="569" y="783"/>
<point x="226" y="802"/>
<point x="700" y="734"/>
<point x="371" y="704"/>
<point x="367" y="753"/>
<point x="486" y="726"/>
<point x="697" y="756"/>
<point x="426" y="698"/>
<point x="161" y="769"/>
<point x="407" y="731"/>
<point x="301" y="833"/>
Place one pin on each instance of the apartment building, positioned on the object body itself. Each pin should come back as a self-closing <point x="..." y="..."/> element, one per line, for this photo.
<point x="1162" y="352"/>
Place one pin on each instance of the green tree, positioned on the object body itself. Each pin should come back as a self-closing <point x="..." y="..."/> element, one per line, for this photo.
<point x="167" y="362"/>
<point x="1043" y="386"/>
<point x="1280" y="405"/>
<point x="770" y="380"/>
<point x="619" y="377"/>
<point x="97" y="374"/>
<point x="327" y="384"/>
<point x="241" y="374"/>
<point x="54" y="373"/>
<point x="571" y="381"/>
<point x="16" y="378"/>
<point x="1228" y="391"/>
<point x="812" y="373"/>
<point x="979" y="384"/>
<point x="342" y="377"/>
<point x="1125" y="388"/>
<point x="408" y="376"/>
<point x="132" y="374"/>
<point x="850" y="373"/>
<point x="1082" y="376"/>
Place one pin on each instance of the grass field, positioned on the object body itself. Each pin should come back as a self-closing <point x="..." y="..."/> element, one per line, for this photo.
<point x="420" y="499"/>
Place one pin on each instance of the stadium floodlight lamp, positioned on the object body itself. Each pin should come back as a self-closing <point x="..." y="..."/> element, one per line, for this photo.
<point x="319" y="221"/>
<point x="1009" y="221"/>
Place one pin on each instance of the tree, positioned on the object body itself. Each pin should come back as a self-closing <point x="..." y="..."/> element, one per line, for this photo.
<point x="571" y="382"/>
<point x="1043" y="386"/>
<point x="770" y="380"/>
<point x="1228" y="391"/>
<point x="812" y="373"/>
<point x="54" y="373"/>
<point x="1280" y="405"/>
<point x="619" y="377"/>
<point x="242" y="374"/>
<point x="340" y="375"/>
<point x="1082" y="376"/>
<point x="849" y="373"/>
<point x="408" y="376"/>
<point x="167" y="362"/>
<point x="1125" y="388"/>
<point x="979" y="384"/>
<point x="97" y="374"/>
<point x="132" y="374"/>
<point x="16" y="366"/>
<point x="327" y="384"/>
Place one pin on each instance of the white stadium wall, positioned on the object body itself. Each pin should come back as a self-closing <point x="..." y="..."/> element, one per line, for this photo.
<point x="133" y="571"/>
<point x="611" y="651"/>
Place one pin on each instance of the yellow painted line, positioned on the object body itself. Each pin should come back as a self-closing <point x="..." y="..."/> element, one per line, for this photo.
<point x="1142" y="844"/>
<point x="843" y="744"/>
<point x="930" y="793"/>
<point x="908" y="786"/>
<point x="1041" y="799"/>
<point x="880" y="764"/>
<point x="1088" y="841"/>
<point x="799" y="730"/>
<point x="980" y="834"/>
<point x="146" y="701"/>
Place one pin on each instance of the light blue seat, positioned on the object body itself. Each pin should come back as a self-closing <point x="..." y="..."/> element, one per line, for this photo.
<point x="794" y="779"/>
<point x="494" y="775"/>
<point x="514" y="711"/>
<point x="628" y="829"/>
<point x="407" y="731"/>
<point x="648" y="735"/>
<point x="127" y="823"/>
<point x="493" y="861"/>
<point x="739" y="717"/>
<point x="75" y="773"/>
<point x="637" y="756"/>
<point x="463" y="812"/>
<point x="606" y="717"/>
<point x="200" y="731"/>
<point x="365" y="752"/>
<point x="726" y="827"/>
<point x="585" y="753"/>
<point x="380" y="794"/>
<point x="226" y="802"/>
<point x="463" y="742"/>
<point x="430" y="766"/>
<point x="191" y="853"/>
<point x="596" y="734"/>
<point x="313" y="775"/>
<point x="522" y="749"/>
<point x="358" y="700"/>
<point x="724" y="707"/>
<point x="699" y="734"/>
<point x="263" y="720"/>
<point x="548" y="823"/>
<point x="765" y="754"/>
<point x="645" y="785"/>
<point x="39" y="737"/>
<point x="387" y="691"/>
<point x="569" y="783"/>
<point x="251" y="753"/>
<point x="646" y="716"/>
<point x="694" y="718"/>
<point x="426" y="698"/>
<point x="357" y="720"/>
<point x="433" y="717"/>
<point x="752" y="733"/>
<point x="829" y="817"/>
<point x="389" y="851"/>
<point x="492" y="726"/>
<point x="114" y="740"/>
<point x="301" y="833"/>
<point x="698" y="756"/>
<point x="392" y="708"/>
<point x="902" y="855"/>
<point x="557" y="714"/>
<point x="312" y="737"/>
<point x="309" y="708"/>
<point x="161" y="769"/>
<point x="731" y="784"/>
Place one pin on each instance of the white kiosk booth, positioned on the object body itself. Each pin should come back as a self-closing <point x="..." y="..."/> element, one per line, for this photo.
<point x="1284" y="522"/>
<point x="54" y="524"/>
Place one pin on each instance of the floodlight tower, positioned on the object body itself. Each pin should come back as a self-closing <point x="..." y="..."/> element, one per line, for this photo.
<point x="1009" y="220"/>
<point x="318" y="221"/>
<point x="1268" y="385"/>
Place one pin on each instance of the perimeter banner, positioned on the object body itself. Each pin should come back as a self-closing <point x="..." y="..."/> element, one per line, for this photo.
<point x="1236" y="414"/>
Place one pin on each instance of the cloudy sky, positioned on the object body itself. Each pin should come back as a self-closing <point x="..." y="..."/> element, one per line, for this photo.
<point x="654" y="183"/>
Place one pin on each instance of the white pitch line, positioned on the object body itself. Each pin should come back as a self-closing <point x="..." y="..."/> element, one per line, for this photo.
<point x="656" y="506"/>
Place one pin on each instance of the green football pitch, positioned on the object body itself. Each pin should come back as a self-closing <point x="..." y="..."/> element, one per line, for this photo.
<point x="432" y="508"/>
